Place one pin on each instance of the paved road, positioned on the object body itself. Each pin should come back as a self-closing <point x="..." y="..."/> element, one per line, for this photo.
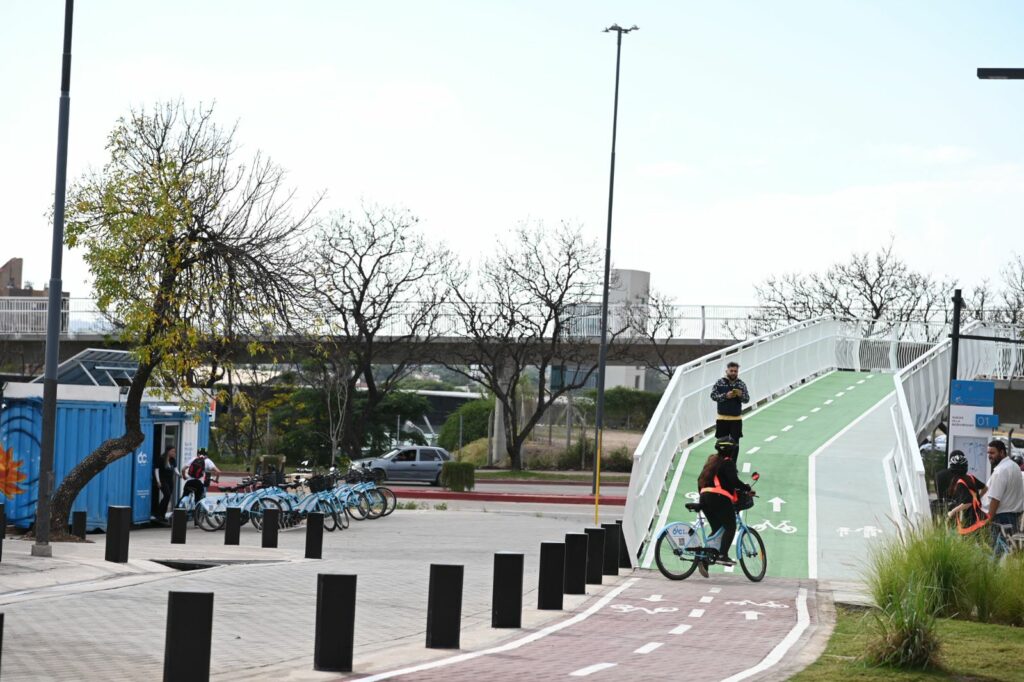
<point x="93" y="626"/>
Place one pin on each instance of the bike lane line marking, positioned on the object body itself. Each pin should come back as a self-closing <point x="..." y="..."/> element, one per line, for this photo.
<point x="590" y="669"/>
<point x="840" y="394"/>
<point x="706" y="600"/>
<point x="787" y="428"/>
<point x="648" y="648"/>
<point x="753" y="450"/>
<point x="803" y="620"/>
<point x="696" y="613"/>
<point x="829" y="401"/>
<point x="679" y="629"/>
<point x="715" y="590"/>
<point x="673" y="489"/>
<point x="532" y="637"/>
<point x="812" y="490"/>
<point x="803" y="418"/>
<point x="746" y="467"/>
<point x="815" y="409"/>
<point x="861" y="381"/>
<point x="769" y="439"/>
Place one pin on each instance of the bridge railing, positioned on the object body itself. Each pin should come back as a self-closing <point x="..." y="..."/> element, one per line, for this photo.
<point x="922" y="396"/>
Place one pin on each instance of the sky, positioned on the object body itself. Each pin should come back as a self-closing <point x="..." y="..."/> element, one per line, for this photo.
<point x="754" y="138"/>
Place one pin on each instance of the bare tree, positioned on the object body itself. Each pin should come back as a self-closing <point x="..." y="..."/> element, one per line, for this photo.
<point x="1013" y="290"/>
<point x="530" y="305"/>
<point x="654" y="322"/>
<point x="379" y="288"/>
<point x="192" y="252"/>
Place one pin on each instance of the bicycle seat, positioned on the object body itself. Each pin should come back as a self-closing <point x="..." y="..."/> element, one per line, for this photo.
<point x="693" y="506"/>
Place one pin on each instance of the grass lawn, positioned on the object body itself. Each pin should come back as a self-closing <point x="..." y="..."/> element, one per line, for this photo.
<point x="970" y="651"/>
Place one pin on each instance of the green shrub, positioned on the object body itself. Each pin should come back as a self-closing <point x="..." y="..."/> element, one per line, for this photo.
<point x="474" y="453"/>
<point x="618" y="460"/>
<point x="475" y="416"/>
<point x="458" y="476"/>
<point x="905" y="629"/>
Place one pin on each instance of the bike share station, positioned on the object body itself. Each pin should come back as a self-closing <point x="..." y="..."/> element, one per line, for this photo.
<point x="91" y="393"/>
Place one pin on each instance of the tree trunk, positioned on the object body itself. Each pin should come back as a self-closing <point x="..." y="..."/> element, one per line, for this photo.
<point x="108" y="452"/>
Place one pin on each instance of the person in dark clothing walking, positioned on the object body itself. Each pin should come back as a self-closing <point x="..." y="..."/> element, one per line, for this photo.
<point x="730" y="393"/>
<point x="718" y="484"/>
<point x="167" y="471"/>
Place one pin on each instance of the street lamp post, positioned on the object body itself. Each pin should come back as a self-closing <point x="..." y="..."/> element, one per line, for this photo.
<point x="42" y="544"/>
<point x="603" y="352"/>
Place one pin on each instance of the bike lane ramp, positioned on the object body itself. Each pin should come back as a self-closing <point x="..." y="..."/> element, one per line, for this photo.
<point x="784" y="441"/>
<point x="647" y="627"/>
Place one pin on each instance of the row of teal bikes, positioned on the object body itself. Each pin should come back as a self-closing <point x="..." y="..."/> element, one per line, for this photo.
<point x="355" y="496"/>
<point x="683" y="545"/>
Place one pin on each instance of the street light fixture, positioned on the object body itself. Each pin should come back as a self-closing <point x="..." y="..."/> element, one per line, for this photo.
<point x="603" y="352"/>
<point x="1000" y="74"/>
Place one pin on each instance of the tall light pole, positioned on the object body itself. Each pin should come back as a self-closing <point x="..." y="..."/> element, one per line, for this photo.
<point x="42" y="544"/>
<point x="603" y="352"/>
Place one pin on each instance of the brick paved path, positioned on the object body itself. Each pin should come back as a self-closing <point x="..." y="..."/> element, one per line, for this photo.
<point x="650" y="628"/>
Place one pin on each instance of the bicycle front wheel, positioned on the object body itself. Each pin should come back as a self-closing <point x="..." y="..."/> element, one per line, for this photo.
<point x="390" y="499"/>
<point x="674" y="562"/>
<point x="751" y="554"/>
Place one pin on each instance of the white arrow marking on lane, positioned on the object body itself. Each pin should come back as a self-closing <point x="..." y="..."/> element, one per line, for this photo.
<point x="706" y="600"/>
<point x="787" y="428"/>
<point x="746" y="467"/>
<point x="679" y="629"/>
<point x="803" y="418"/>
<point x="654" y="597"/>
<point x="648" y="648"/>
<point x="753" y="449"/>
<point x="696" y="613"/>
<point x="776" y="503"/>
<point x="590" y="669"/>
<point x="751" y="615"/>
<point x="769" y="439"/>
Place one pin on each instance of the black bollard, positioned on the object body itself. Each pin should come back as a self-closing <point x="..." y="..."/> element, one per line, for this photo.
<point x="270" y="518"/>
<point x="624" y="561"/>
<point x="1" y="639"/>
<point x="552" y="576"/>
<point x="595" y="555"/>
<point x="610" y="565"/>
<point x="179" y="522"/>
<point x="507" y="591"/>
<point x="575" y="563"/>
<point x="78" y="522"/>
<point x="118" y="522"/>
<point x="315" y="535"/>
<point x="444" y="606"/>
<point x="187" y="643"/>
<point x="233" y="526"/>
<point x="335" y="622"/>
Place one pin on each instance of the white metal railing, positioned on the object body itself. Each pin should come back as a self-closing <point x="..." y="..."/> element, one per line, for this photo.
<point x="922" y="395"/>
<point x="771" y="364"/>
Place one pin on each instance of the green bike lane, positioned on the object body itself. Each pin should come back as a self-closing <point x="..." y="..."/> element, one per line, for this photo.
<point x="779" y="440"/>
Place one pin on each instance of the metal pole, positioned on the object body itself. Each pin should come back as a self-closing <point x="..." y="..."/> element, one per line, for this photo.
<point x="954" y="361"/>
<point x="603" y="352"/>
<point x="42" y="544"/>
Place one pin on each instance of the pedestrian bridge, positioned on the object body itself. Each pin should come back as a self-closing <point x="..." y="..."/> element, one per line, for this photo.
<point x="836" y="419"/>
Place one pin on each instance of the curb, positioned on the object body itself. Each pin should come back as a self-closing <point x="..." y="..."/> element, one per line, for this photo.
<point x="425" y="494"/>
<point x="530" y="481"/>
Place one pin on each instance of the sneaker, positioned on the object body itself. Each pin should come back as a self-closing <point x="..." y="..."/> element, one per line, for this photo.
<point x="702" y="566"/>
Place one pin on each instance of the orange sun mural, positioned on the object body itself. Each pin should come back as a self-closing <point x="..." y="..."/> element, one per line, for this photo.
<point x="10" y="476"/>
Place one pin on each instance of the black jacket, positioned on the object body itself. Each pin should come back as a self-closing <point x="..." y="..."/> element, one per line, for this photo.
<point x="729" y="407"/>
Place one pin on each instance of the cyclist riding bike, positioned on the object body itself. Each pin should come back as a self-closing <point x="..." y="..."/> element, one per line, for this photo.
<point x="198" y="474"/>
<point x="719" y="486"/>
<point x="965" y="493"/>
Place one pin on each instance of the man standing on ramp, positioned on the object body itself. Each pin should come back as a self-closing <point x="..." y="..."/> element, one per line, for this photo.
<point x="730" y="393"/>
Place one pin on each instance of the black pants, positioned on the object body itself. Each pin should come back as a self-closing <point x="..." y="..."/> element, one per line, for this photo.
<point x="166" y="493"/>
<point x="196" y="488"/>
<point x="720" y="513"/>
<point x="729" y="427"/>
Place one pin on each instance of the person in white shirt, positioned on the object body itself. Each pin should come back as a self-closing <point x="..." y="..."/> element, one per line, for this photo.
<point x="197" y="475"/>
<point x="1003" y="495"/>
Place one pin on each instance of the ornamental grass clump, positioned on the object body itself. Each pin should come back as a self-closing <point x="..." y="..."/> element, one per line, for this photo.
<point x="458" y="476"/>
<point x="905" y="629"/>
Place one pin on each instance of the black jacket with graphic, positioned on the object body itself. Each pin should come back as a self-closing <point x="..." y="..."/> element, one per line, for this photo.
<point x="729" y="407"/>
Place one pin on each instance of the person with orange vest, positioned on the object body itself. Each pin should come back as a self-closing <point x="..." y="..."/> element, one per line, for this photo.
<point x="965" y="493"/>
<point x="718" y="484"/>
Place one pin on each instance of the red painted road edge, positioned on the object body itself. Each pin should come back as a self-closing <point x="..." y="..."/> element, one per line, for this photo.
<point x="428" y="494"/>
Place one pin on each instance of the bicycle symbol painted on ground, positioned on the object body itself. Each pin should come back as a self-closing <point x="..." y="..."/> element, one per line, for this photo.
<point x="629" y="608"/>
<point x="782" y="526"/>
<point x="770" y="604"/>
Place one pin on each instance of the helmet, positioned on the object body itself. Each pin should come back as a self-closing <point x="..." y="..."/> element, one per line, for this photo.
<point x="1017" y="457"/>
<point x="727" y="447"/>
<point x="957" y="459"/>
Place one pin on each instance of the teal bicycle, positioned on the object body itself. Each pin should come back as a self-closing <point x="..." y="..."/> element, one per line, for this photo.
<point x="682" y="546"/>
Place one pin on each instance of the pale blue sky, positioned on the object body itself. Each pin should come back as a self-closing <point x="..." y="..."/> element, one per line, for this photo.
<point x="773" y="136"/>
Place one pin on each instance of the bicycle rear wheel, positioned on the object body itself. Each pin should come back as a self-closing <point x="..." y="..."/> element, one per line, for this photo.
<point x="674" y="562"/>
<point x="330" y="515"/>
<point x="358" y="506"/>
<point x="751" y="554"/>
<point x="260" y="506"/>
<point x="390" y="499"/>
<point x="378" y="503"/>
